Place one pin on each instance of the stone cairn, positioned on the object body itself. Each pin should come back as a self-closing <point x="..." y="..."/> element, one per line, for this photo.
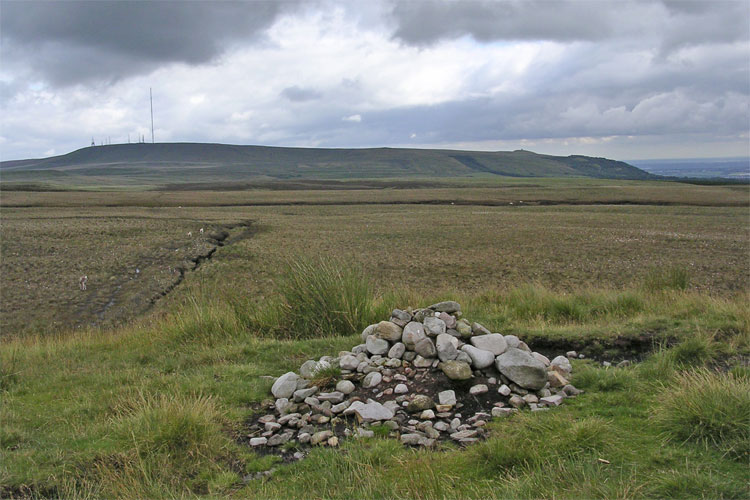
<point x="425" y="375"/>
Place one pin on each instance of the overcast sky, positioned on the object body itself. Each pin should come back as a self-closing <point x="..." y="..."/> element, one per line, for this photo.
<point x="621" y="79"/>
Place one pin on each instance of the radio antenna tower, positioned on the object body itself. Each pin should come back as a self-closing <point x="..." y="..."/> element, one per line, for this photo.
<point x="151" y="98"/>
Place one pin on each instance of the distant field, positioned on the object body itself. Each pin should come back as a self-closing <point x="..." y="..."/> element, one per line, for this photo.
<point x="426" y="248"/>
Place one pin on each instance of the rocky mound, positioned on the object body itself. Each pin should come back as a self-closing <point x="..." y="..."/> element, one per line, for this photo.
<point x="424" y="375"/>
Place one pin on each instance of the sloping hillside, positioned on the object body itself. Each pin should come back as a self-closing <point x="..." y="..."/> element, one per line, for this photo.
<point x="194" y="162"/>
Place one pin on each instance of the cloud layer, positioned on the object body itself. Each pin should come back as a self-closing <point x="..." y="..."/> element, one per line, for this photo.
<point x="621" y="79"/>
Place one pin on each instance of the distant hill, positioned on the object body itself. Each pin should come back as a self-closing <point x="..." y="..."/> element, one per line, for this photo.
<point x="174" y="163"/>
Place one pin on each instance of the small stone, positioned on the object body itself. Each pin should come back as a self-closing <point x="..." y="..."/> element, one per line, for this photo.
<point x="555" y="400"/>
<point x="478" y="329"/>
<point x="420" y="362"/>
<point x="512" y="341"/>
<point x="376" y="345"/>
<point x="448" y="306"/>
<point x="522" y="368"/>
<point x="447" y="397"/>
<point x="349" y="362"/>
<point x="426" y="348"/>
<point x="282" y="404"/>
<point x="494" y="342"/>
<point x="345" y="387"/>
<point x="469" y="433"/>
<point x="409" y="356"/>
<point x="368" y="331"/>
<point x="370" y="411"/>
<point x="260" y="441"/>
<point x="308" y="368"/>
<point x="442" y="409"/>
<point x="387" y="330"/>
<point x="419" y="403"/>
<point x="450" y="321"/>
<point x="571" y="391"/>
<point x="456" y="370"/>
<point x="365" y="433"/>
<point x="285" y="385"/>
<point x="279" y="439"/>
<point x="478" y="389"/>
<point x="531" y="399"/>
<point x="334" y="397"/>
<point x="480" y="358"/>
<point x="446" y="347"/>
<point x="413" y="333"/>
<point x="455" y="423"/>
<point x="410" y="439"/>
<point x="517" y="401"/>
<point x="397" y="350"/>
<point x="556" y="379"/>
<point x="431" y="432"/>
<point x="340" y="407"/>
<point x="501" y="412"/>
<point x="606" y="364"/>
<point x="401" y="389"/>
<point x="623" y="363"/>
<point x="464" y="328"/>
<point x="304" y="437"/>
<point x="372" y="380"/>
<point x="434" y="326"/>
<point x="541" y="357"/>
<point x="272" y="426"/>
<point x="441" y="426"/>
<point x="320" y="436"/>
<point x="492" y="381"/>
<point x="298" y="455"/>
<point x="571" y="354"/>
<point x="333" y="441"/>
<point x="427" y="415"/>
<point x="303" y="394"/>
<point x="463" y="357"/>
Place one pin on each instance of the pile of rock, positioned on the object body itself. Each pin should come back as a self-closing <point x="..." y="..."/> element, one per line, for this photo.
<point x="423" y="375"/>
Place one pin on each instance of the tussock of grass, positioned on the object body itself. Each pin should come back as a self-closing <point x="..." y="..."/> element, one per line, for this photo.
<point x="666" y="278"/>
<point x="709" y="408"/>
<point x="318" y="298"/>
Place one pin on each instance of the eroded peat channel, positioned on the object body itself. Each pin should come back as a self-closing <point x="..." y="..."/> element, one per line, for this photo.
<point x="155" y="276"/>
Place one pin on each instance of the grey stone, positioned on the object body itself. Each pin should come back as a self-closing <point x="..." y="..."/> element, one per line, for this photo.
<point x="388" y="331"/>
<point x="420" y="362"/>
<point x="447" y="306"/>
<point x="478" y="329"/>
<point x="420" y="402"/>
<point x="340" y="407"/>
<point x="571" y="354"/>
<point x="552" y="400"/>
<point x="345" y="387"/>
<point x="456" y="370"/>
<point x="446" y="347"/>
<point x="426" y="348"/>
<point x="372" y="380"/>
<point x="376" y="345"/>
<point x="480" y="358"/>
<point x="303" y="394"/>
<point x="308" y="368"/>
<point x="562" y="365"/>
<point x="494" y="342"/>
<point x="434" y="326"/>
<point x="522" y="368"/>
<point x="271" y="426"/>
<point x="401" y="389"/>
<point x="441" y="426"/>
<point x="398" y="316"/>
<point x="334" y="397"/>
<point x="393" y="363"/>
<point x="397" y="350"/>
<point x="571" y="391"/>
<point x="413" y="333"/>
<point x="455" y="423"/>
<point x="304" y="437"/>
<point x="259" y="441"/>
<point x="368" y="331"/>
<point x="541" y="357"/>
<point x="450" y="321"/>
<point x="279" y="439"/>
<point x="531" y="399"/>
<point x="447" y="397"/>
<point x="282" y="404"/>
<point x="285" y="385"/>
<point x="427" y="415"/>
<point x="369" y="412"/>
<point x="320" y="437"/>
<point x="365" y="433"/>
<point x="410" y="439"/>
<point x="359" y="349"/>
<point x="462" y="356"/>
<point x="410" y="355"/>
<point x="469" y="433"/>
<point x="512" y="341"/>
<point x="464" y="328"/>
<point x="349" y="362"/>
<point x="517" y="401"/>
<point x="501" y="412"/>
<point x="478" y="389"/>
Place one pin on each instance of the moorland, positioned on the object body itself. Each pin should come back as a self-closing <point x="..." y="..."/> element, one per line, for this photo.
<point x="142" y="385"/>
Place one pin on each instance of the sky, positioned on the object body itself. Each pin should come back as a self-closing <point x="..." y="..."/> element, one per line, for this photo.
<point x="619" y="79"/>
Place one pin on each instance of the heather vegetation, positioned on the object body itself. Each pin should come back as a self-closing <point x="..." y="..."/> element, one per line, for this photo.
<point x="158" y="405"/>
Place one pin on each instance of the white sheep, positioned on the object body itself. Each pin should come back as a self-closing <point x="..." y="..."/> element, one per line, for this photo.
<point x="190" y="234"/>
<point x="201" y="230"/>
<point x="82" y="282"/>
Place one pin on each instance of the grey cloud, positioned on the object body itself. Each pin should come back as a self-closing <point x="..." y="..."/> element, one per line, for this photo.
<point x="690" y="22"/>
<point x="69" y="42"/>
<point x="299" y="94"/>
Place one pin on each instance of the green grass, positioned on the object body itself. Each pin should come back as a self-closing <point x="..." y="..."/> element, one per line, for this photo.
<point x="154" y="410"/>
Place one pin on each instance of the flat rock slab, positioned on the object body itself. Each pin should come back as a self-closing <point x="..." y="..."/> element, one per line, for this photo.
<point x="522" y="368"/>
<point x="372" y="411"/>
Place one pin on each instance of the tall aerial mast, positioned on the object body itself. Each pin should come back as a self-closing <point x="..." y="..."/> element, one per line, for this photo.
<point x="151" y="98"/>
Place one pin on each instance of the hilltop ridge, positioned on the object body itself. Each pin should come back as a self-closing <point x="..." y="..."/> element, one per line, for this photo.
<point x="202" y="162"/>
